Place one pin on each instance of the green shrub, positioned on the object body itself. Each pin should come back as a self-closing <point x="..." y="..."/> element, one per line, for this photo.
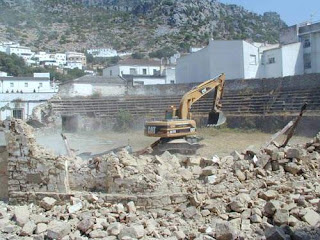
<point x="123" y="122"/>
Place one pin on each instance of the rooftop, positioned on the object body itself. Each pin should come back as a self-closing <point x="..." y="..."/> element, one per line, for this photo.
<point x="23" y="79"/>
<point x="143" y="62"/>
<point x="97" y="79"/>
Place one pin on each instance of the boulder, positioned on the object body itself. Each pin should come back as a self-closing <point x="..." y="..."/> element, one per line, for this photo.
<point x="225" y="231"/>
<point x="292" y="168"/>
<point x="268" y="195"/>
<point x="28" y="229"/>
<point x="75" y="208"/>
<point x="134" y="231"/>
<point x="98" y="234"/>
<point x="311" y="217"/>
<point x="58" y="230"/>
<point x="21" y="215"/>
<point x="271" y="207"/>
<point x="41" y="228"/>
<point x="275" y="233"/>
<point x="114" y="229"/>
<point x="131" y="207"/>
<point x="85" y="225"/>
<point x="48" y="203"/>
<point x="281" y="217"/>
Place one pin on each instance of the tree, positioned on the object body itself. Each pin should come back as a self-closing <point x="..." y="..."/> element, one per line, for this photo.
<point x="162" y="53"/>
<point x="137" y="55"/>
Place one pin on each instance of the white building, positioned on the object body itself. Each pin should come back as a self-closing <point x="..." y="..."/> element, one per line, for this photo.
<point x="102" y="52"/>
<point x="26" y="85"/>
<point x="141" y="71"/>
<point x="93" y="86"/>
<point x="20" y="95"/>
<point x="308" y="34"/>
<point x="21" y="51"/>
<point x="239" y="59"/>
<point x="75" y="60"/>
<point x="3" y="74"/>
<point x="61" y="58"/>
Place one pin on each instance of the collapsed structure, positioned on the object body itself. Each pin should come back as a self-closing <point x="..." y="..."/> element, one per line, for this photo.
<point x="271" y="194"/>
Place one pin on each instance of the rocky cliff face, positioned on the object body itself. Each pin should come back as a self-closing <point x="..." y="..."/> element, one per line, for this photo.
<point x="137" y="25"/>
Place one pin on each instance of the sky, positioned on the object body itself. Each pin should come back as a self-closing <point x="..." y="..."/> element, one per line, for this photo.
<point x="291" y="11"/>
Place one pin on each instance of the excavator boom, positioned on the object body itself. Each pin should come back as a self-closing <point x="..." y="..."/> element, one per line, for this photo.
<point x="216" y="116"/>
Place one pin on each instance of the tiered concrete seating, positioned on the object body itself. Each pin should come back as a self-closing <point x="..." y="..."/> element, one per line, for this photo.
<point x="278" y="102"/>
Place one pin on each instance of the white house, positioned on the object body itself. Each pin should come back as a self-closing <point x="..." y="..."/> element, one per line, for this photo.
<point x="26" y="85"/>
<point x="240" y="59"/>
<point x="308" y="34"/>
<point x="102" y="52"/>
<point x="20" y="95"/>
<point x="3" y="74"/>
<point x="61" y="58"/>
<point x="93" y="85"/>
<point x="142" y="71"/>
<point x="75" y="60"/>
<point x="21" y="51"/>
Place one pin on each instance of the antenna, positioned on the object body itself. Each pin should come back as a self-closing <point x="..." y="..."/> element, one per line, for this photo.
<point x="312" y="15"/>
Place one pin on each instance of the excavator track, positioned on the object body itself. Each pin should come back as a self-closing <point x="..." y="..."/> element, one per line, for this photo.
<point x="185" y="146"/>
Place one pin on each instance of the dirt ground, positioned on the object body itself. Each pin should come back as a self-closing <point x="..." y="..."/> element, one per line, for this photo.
<point x="219" y="142"/>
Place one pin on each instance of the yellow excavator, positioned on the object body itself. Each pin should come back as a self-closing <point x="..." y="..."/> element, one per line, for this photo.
<point x="177" y="132"/>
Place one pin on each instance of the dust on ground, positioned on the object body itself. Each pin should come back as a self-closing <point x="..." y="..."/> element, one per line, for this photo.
<point x="219" y="142"/>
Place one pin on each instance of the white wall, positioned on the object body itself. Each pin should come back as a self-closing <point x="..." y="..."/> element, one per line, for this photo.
<point x="218" y="57"/>
<point x="27" y="101"/>
<point x="170" y="74"/>
<point x="292" y="59"/>
<point x="272" y="69"/>
<point x="120" y="70"/>
<point x="315" y="52"/>
<point x="250" y="60"/>
<point x="111" y="71"/>
<point x="125" y="70"/>
<point x="87" y="89"/>
<point x="194" y="67"/>
<point x="149" y="81"/>
<point x="25" y="85"/>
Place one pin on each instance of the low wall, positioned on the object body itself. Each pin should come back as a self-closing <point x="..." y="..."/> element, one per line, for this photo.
<point x="238" y="85"/>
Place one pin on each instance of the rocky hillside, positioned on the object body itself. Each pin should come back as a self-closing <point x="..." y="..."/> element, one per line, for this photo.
<point x="136" y="25"/>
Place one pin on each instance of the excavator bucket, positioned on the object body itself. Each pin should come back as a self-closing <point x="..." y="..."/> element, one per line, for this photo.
<point x="216" y="119"/>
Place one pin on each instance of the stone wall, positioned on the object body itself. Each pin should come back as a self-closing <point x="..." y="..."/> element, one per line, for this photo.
<point x="30" y="167"/>
<point x="34" y="172"/>
<point x="294" y="83"/>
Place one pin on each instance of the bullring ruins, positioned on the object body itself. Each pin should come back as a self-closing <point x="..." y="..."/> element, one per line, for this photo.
<point x="106" y="188"/>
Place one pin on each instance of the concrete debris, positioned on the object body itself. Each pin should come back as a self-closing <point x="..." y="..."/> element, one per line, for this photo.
<point x="268" y="194"/>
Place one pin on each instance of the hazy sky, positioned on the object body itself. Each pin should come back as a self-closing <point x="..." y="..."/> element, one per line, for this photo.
<point x="291" y="11"/>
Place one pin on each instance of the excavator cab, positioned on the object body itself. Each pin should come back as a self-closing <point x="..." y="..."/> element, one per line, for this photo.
<point x="171" y="113"/>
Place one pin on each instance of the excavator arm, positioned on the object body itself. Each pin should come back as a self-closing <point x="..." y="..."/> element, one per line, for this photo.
<point x="215" y="116"/>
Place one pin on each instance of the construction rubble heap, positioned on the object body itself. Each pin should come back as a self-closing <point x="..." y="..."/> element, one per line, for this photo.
<point x="270" y="194"/>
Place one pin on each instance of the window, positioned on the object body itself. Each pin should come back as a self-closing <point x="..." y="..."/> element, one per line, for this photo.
<point x="306" y="43"/>
<point x="11" y="84"/>
<point x="307" y="60"/>
<point x="110" y="72"/>
<point x="171" y="81"/>
<point x="133" y="71"/>
<point x="40" y="84"/>
<point x="253" y="60"/>
<point x="26" y="84"/>
<point x="271" y="60"/>
<point x="154" y="71"/>
<point x="144" y="71"/>
<point x="17" y="113"/>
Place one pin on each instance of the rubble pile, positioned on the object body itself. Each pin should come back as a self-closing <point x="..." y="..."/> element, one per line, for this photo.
<point x="270" y="194"/>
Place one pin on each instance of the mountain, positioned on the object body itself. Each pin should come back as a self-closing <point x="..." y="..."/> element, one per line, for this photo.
<point x="131" y="25"/>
